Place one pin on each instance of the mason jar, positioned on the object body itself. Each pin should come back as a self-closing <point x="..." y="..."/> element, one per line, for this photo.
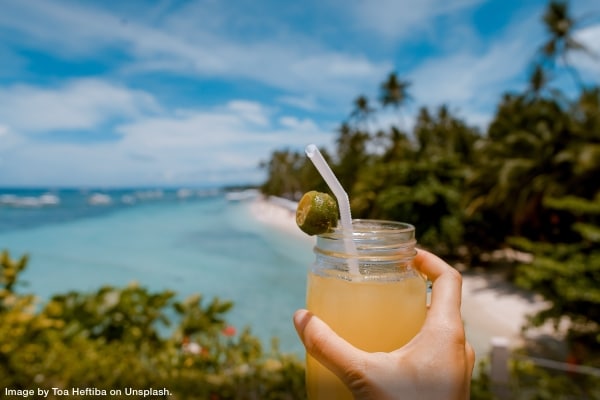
<point x="370" y="295"/>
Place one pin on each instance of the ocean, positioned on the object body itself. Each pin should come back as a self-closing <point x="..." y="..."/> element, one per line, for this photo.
<point x="188" y="241"/>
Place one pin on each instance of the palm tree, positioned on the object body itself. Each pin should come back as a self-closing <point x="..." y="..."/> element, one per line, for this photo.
<point x="585" y="155"/>
<point x="362" y="110"/>
<point x="394" y="91"/>
<point x="399" y="146"/>
<point x="523" y="161"/>
<point x="444" y="135"/>
<point x="538" y="82"/>
<point x="561" y="28"/>
<point x="283" y="178"/>
<point x="352" y="154"/>
<point x="587" y="111"/>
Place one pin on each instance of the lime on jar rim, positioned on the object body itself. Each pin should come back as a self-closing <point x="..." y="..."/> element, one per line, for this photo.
<point x="317" y="213"/>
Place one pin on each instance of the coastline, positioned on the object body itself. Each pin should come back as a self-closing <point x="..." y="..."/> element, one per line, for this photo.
<point x="491" y="307"/>
<point x="277" y="213"/>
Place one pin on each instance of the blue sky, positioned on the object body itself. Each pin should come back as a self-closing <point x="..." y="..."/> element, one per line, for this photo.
<point x="180" y="93"/>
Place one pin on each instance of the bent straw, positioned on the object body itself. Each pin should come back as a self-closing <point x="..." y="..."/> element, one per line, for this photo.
<point x="312" y="151"/>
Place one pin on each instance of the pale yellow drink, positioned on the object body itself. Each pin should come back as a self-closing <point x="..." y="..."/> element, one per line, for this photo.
<point x="378" y="311"/>
<point x="373" y="316"/>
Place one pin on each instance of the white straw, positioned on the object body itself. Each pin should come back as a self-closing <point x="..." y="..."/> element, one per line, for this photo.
<point x="317" y="159"/>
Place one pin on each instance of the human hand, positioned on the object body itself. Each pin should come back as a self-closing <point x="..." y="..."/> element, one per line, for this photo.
<point x="436" y="364"/>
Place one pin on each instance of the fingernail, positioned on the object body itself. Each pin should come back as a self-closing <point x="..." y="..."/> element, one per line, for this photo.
<point x="301" y="318"/>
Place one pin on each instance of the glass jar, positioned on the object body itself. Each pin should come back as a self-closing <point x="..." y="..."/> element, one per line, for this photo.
<point x="373" y="298"/>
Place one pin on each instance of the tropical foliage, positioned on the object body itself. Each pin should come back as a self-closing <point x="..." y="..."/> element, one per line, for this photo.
<point x="120" y="339"/>
<point x="530" y="180"/>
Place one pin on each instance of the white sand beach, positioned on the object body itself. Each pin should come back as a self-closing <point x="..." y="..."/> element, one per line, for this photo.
<point x="491" y="307"/>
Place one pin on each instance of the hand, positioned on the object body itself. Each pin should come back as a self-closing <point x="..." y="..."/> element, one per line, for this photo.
<point x="436" y="364"/>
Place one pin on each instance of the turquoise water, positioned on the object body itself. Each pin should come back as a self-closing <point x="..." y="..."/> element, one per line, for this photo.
<point x="199" y="244"/>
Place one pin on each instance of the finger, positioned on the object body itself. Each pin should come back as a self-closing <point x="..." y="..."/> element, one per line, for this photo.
<point x="446" y="291"/>
<point x="430" y="264"/>
<point x="325" y="345"/>
<point x="470" y="355"/>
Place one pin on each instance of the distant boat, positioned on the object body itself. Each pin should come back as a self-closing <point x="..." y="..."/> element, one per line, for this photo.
<point x="99" y="199"/>
<point x="241" y="195"/>
<point x="49" y="199"/>
<point x="28" y="201"/>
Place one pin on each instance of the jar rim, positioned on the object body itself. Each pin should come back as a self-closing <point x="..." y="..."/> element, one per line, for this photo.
<point x="377" y="243"/>
<point x="363" y="227"/>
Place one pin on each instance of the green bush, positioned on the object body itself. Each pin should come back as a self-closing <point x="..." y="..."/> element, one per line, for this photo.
<point x="122" y="339"/>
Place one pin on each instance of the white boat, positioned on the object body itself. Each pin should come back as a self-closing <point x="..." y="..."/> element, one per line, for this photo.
<point x="241" y="195"/>
<point x="99" y="199"/>
<point x="49" y="199"/>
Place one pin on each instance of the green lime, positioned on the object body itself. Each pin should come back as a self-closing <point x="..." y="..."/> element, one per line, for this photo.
<point x="317" y="213"/>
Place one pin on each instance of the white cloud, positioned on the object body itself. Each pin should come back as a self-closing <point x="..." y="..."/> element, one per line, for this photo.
<point x="589" y="63"/>
<point x="471" y="80"/>
<point x="221" y="144"/>
<point x="250" y="111"/>
<point x="74" y="31"/>
<point x="306" y="102"/>
<point x="154" y="141"/>
<point x="396" y="19"/>
<point x="302" y="125"/>
<point x="466" y="76"/>
<point x="8" y="139"/>
<point x="66" y="28"/>
<point x="218" y="134"/>
<point x="79" y="104"/>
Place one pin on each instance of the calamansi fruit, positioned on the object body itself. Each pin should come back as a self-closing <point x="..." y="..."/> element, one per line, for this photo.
<point x="317" y="213"/>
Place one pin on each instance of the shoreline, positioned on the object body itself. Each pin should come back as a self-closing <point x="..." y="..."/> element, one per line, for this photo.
<point x="491" y="307"/>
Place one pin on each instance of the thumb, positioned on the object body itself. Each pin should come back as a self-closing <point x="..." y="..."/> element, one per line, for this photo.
<point x="325" y="345"/>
